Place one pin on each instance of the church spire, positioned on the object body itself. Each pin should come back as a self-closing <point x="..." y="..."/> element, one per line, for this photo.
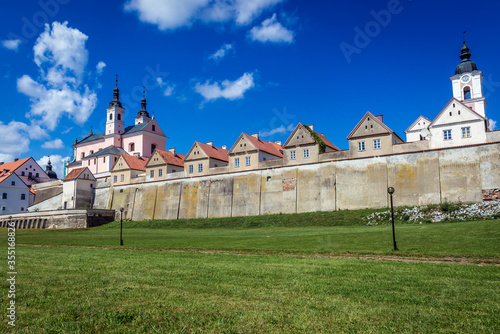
<point x="143" y="111"/>
<point x="466" y="65"/>
<point x="116" y="95"/>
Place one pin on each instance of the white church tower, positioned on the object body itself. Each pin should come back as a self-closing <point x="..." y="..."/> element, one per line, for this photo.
<point x="115" y="123"/>
<point x="468" y="83"/>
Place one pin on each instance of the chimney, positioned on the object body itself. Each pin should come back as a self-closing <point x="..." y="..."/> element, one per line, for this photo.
<point x="211" y="143"/>
<point x="137" y="154"/>
<point x="255" y="135"/>
<point x="1" y="163"/>
<point x="16" y="159"/>
<point x="278" y="142"/>
<point x="311" y="126"/>
<point x="380" y="118"/>
<point x="172" y="150"/>
<point x="224" y="147"/>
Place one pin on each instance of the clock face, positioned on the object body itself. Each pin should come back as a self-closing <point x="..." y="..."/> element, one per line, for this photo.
<point x="465" y="78"/>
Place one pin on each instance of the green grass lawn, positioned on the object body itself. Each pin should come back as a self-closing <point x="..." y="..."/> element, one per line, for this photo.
<point x="145" y="288"/>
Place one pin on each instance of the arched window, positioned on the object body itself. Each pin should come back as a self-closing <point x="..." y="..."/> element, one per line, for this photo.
<point x="131" y="147"/>
<point x="119" y="117"/>
<point x="110" y="117"/>
<point x="466" y="93"/>
<point x="153" y="147"/>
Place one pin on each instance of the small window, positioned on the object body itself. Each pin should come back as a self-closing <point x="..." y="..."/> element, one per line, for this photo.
<point x="247" y="161"/>
<point x="236" y="162"/>
<point x="23" y="196"/>
<point x="95" y="161"/>
<point x="152" y="173"/>
<point x="115" y="178"/>
<point x="91" y="152"/>
<point x="22" y="173"/>
<point x="110" y="117"/>
<point x="451" y="114"/>
<point x="153" y="127"/>
<point x="30" y="174"/>
<point x="119" y="117"/>
<point x="13" y="183"/>
<point x="91" y="185"/>
<point x="160" y="172"/>
<point x="131" y="147"/>
<point x="459" y="112"/>
<point x="361" y="146"/>
<point x="447" y="134"/>
<point x="22" y="209"/>
<point x="103" y="159"/>
<point x="376" y="144"/>
<point x="191" y="169"/>
<point x="82" y="155"/>
<point x="122" y="178"/>
<point x="293" y="155"/>
<point x="200" y="168"/>
<point x="466" y="132"/>
<point x="37" y="174"/>
<point x="3" y="208"/>
<point x="306" y="153"/>
<point x="153" y="147"/>
<point x="4" y="196"/>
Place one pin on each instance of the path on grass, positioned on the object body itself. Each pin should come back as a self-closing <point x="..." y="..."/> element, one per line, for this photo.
<point x="365" y="257"/>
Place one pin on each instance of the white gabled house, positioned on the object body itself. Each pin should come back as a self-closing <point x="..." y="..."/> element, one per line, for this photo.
<point x="14" y="194"/>
<point x="414" y="131"/>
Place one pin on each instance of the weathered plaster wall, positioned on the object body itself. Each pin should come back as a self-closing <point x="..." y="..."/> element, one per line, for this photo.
<point x="428" y="177"/>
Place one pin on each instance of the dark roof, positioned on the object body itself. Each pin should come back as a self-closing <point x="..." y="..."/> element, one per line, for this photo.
<point x="136" y="128"/>
<point x="110" y="150"/>
<point x="75" y="163"/>
<point x="90" y="138"/>
<point x="466" y="66"/>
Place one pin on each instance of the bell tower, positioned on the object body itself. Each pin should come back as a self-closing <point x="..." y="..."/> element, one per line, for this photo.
<point x="468" y="83"/>
<point x="142" y="115"/>
<point x="115" y="123"/>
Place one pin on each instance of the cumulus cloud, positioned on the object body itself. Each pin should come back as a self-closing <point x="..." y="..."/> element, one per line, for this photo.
<point x="54" y="144"/>
<point x="493" y="124"/>
<point x="222" y="52"/>
<point x="271" y="31"/>
<point x="57" y="163"/>
<point x="282" y="130"/>
<point x="15" y="140"/>
<point x="173" y="14"/>
<point x="100" y="67"/>
<point x="230" y="90"/>
<point x="11" y="44"/>
<point x="61" y="57"/>
<point x="169" y="91"/>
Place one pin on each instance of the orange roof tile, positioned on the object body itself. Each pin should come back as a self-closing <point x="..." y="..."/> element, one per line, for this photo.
<point x="213" y="151"/>
<point x="327" y="142"/>
<point x="74" y="174"/>
<point x="172" y="159"/>
<point x="267" y="147"/>
<point x="134" y="162"/>
<point x="12" y="166"/>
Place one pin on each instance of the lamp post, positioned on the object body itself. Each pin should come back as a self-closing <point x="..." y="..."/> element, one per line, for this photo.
<point x="121" y="226"/>
<point x="390" y="190"/>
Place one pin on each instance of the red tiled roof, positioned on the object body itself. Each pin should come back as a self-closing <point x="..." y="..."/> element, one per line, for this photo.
<point x="3" y="177"/>
<point x="213" y="151"/>
<point x="327" y="142"/>
<point x="74" y="174"/>
<point x="32" y="191"/>
<point x="172" y="159"/>
<point x="134" y="162"/>
<point x="267" y="147"/>
<point x="12" y="166"/>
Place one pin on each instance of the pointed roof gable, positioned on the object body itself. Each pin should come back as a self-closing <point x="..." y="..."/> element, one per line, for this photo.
<point x="385" y="128"/>
<point x="134" y="162"/>
<point x="420" y="118"/>
<point x="211" y="151"/>
<point x="260" y="145"/>
<point x="311" y="137"/>
<point x="74" y="174"/>
<point x="170" y="158"/>
<point x="463" y="107"/>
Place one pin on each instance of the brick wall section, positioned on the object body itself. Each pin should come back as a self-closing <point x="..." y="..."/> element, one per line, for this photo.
<point x="289" y="184"/>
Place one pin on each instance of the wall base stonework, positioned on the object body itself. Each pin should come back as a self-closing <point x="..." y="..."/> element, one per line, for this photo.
<point x="59" y="219"/>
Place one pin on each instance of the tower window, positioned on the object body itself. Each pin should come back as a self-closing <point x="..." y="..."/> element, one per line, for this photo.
<point x="153" y="127"/>
<point x="110" y="117"/>
<point x="153" y="147"/>
<point x="131" y="147"/>
<point x="119" y="117"/>
<point x="466" y="93"/>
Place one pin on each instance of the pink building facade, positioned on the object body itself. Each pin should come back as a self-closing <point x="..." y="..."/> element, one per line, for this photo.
<point x="100" y="151"/>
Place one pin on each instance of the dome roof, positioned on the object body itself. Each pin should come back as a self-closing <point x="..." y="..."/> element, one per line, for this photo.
<point x="466" y="65"/>
<point x="50" y="173"/>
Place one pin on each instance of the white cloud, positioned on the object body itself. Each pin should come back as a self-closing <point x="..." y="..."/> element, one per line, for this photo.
<point x="57" y="163"/>
<point x="271" y="31"/>
<point x="54" y="144"/>
<point x="100" y="67"/>
<point x="230" y="90"/>
<point x="14" y="138"/>
<point x="493" y="124"/>
<point x="173" y="14"/>
<point x="61" y="57"/>
<point x="169" y="91"/>
<point x="11" y="44"/>
<point x="222" y="52"/>
<point x="282" y="130"/>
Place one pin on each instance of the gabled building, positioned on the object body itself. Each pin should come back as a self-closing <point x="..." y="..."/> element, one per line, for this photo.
<point x="100" y="151"/>
<point x="248" y="151"/>
<point x="164" y="162"/>
<point x="14" y="194"/>
<point x="127" y="168"/>
<point x="78" y="189"/>
<point x="371" y="137"/>
<point x="305" y="145"/>
<point x="27" y="169"/>
<point x="414" y="131"/>
<point x="201" y="157"/>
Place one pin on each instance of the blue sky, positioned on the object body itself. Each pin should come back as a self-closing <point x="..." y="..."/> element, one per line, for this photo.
<point x="215" y="68"/>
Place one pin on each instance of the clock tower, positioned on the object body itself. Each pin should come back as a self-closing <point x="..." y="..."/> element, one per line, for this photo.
<point x="468" y="83"/>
